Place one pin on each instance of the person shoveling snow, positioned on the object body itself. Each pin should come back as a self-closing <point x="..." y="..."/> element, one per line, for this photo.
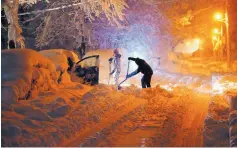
<point x="145" y="69"/>
<point x="117" y="66"/>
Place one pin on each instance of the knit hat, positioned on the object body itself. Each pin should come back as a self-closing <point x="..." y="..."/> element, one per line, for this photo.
<point x="116" y="51"/>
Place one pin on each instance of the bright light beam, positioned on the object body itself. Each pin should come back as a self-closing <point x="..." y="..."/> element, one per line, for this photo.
<point x="218" y="16"/>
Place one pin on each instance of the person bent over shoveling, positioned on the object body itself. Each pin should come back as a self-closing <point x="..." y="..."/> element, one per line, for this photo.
<point x="145" y="69"/>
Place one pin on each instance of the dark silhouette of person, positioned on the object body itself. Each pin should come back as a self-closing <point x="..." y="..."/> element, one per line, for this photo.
<point x="12" y="44"/>
<point x="70" y="64"/>
<point x="145" y="69"/>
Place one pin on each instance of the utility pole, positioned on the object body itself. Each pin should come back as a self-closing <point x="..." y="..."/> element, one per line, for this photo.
<point x="221" y="44"/>
<point x="227" y="37"/>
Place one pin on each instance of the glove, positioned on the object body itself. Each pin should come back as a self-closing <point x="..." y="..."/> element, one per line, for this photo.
<point x="110" y="59"/>
<point x="131" y="74"/>
<point x="129" y="58"/>
<point x="127" y="76"/>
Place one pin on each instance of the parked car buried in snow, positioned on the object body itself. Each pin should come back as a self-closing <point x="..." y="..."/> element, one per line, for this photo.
<point x="87" y="70"/>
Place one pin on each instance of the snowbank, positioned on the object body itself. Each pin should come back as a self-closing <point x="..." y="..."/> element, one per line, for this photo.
<point x="42" y="121"/>
<point x="59" y="58"/>
<point x="57" y="116"/>
<point x="216" y="124"/>
<point x="231" y="97"/>
<point x="233" y="128"/>
<point x="221" y="121"/>
<point x="25" y="73"/>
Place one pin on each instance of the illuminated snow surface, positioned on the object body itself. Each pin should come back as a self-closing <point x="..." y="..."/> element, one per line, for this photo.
<point x="72" y="114"/>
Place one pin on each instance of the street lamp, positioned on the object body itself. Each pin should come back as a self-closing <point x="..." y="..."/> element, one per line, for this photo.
<point x="218" y="16"/>
<point x="217" y="42"/>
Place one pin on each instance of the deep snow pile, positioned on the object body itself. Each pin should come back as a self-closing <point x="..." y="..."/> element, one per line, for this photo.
<point x="56" y="116"/>
<point x="25" y="73"/>
<point x="216" y="129"/>
<point x="233" y="128"/>
<point x="220" y="122"/>
<point x="231" y="97"/>
<point x="59" y="58"/>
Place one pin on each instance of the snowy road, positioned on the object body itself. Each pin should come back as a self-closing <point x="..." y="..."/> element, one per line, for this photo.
<point x="155" y="120"/>
<point x="109" y="118"/>
<point x="173" y="119"/>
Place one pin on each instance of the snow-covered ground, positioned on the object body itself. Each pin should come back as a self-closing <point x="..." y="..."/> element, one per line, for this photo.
<point x="55" y="118"/>
<point x="171" y="113"/>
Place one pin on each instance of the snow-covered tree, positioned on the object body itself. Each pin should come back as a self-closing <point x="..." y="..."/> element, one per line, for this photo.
<point x="190" y="19"/>
<point x="11" y="11"/>
<point x="143" y="32"/>
<point x="112" y="9"/>
<point x="66" y="26"/>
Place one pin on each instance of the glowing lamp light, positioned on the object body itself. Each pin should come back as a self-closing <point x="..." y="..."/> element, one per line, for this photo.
<point x="214" y="38"/>
<point x="218" y="16"/>
<point x="216" y="31"/>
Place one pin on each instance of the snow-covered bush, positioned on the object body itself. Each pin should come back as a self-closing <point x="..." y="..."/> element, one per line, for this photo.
<point x="233" y="128"/>
<point x="24" y="74"/>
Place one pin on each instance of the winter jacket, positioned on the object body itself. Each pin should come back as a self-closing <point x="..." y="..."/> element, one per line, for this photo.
<point x="117" y="65"/>
<point x="143" y="67"/>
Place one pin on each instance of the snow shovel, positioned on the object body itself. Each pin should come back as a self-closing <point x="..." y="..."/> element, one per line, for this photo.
<point x="119" y="87"/>
<point x="110" y="61"/>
